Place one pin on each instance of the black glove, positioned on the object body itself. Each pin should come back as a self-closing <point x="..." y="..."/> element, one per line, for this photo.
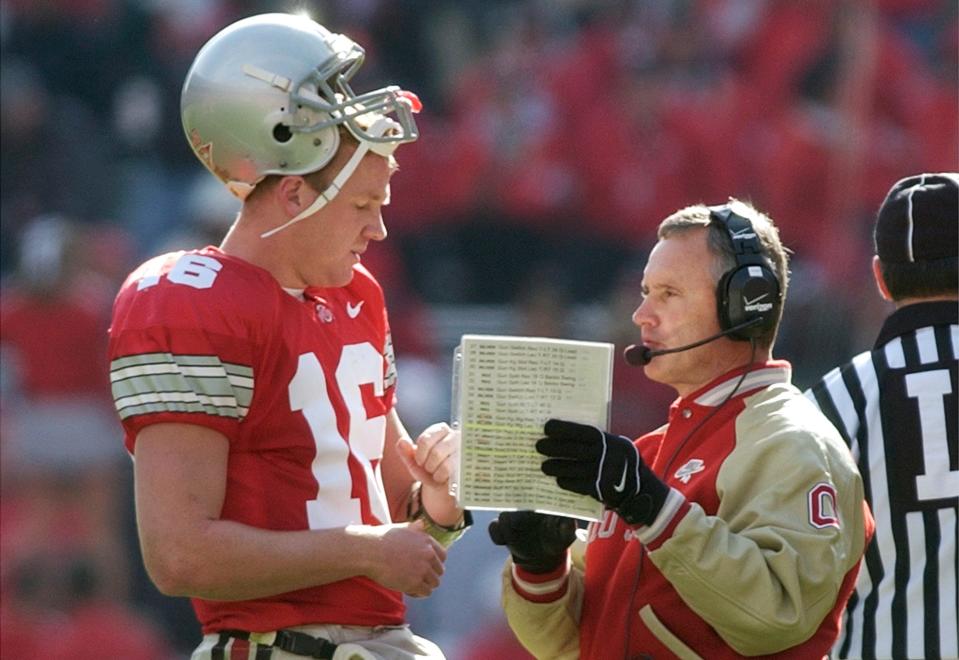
<point x="537" y="541"/>
<point x="608" y="467"/>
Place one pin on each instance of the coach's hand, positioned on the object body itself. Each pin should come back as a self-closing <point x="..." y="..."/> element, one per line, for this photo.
<point x="537" y="541"/>
<point x="608" y="467"/>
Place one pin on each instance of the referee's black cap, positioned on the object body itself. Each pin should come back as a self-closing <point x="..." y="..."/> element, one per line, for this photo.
<point x="919" y="219"/>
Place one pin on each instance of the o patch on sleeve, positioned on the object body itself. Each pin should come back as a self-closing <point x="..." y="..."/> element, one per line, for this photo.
<point x="823" y="511"/>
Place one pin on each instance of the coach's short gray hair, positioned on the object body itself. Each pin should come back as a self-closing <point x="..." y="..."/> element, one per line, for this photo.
<point x="774" y="252"/>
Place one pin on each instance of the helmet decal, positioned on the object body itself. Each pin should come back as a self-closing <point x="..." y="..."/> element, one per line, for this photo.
<point x="203" y="150"/>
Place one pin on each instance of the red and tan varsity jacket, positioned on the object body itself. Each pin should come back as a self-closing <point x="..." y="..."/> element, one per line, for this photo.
<point x="755" y="552"/>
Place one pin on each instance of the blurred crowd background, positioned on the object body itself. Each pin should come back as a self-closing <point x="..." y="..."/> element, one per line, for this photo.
<point x="556" y="135"/>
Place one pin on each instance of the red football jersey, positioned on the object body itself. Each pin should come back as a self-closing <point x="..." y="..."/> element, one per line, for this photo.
<point x="299" y="384"/>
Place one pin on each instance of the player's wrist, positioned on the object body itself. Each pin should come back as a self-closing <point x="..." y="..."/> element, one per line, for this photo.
<point x="439" y="505"/>
<point x="450" y="527"/>
<point x="369" y="550"/>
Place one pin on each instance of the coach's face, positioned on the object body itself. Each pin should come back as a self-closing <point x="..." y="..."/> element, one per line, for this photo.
<point x="679" y="307"/>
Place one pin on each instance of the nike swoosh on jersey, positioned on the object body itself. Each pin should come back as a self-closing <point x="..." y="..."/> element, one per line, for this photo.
<point x="354" y="311"/>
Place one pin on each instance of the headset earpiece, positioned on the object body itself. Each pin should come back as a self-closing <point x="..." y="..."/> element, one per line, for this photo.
<point x="751" y="289"/>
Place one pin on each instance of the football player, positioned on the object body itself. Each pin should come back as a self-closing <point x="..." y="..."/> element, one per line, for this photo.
<point x="275" y="483"/>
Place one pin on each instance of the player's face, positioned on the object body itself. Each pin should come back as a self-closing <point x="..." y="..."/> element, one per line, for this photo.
<point x="679" y="307"/>
<point x="335" y="239"/>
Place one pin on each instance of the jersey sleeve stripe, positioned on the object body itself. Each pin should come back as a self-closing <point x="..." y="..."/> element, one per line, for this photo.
<point x="172" y="407"/>
<point x="158" y="371"/>
<point x="390" y="378"/>
<point x="164" y="382"/>
<point x="175" y="383"/>
<point x="195" y="373"/>
<point x="183" y="360"/>
<point x="220" y="403"/>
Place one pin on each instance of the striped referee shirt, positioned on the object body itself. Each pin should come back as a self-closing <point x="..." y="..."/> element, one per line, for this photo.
<point x="896" y="407"/>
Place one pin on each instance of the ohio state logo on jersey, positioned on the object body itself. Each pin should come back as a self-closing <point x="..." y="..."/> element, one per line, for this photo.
<point x="823" y="511"/>
<point x="324" y="313"/>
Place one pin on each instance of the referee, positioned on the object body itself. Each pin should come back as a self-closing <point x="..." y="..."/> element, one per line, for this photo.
<point x="896" y="408"/>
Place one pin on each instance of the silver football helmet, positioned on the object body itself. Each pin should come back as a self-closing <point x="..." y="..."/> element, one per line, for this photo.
<point x="266" y="94"/>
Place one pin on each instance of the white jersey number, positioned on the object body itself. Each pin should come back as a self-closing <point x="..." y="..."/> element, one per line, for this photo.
<point x="194" y="270"/>
<point x="335" y="505"/>
<point x="929" y="389"/>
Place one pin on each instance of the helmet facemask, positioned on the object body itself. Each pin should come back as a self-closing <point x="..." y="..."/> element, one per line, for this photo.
<point x="337" y="103"/>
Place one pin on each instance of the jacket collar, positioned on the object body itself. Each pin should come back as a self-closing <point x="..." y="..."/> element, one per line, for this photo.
<point x="759" y="376"/>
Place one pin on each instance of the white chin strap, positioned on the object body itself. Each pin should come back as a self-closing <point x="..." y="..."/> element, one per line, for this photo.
<point x="380" y="127"/>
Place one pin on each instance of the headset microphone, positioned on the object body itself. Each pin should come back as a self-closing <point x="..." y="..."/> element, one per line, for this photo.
<point x="639" y="356"/>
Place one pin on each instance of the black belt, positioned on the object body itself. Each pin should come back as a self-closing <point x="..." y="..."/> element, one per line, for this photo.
<point x="291" y="641"/>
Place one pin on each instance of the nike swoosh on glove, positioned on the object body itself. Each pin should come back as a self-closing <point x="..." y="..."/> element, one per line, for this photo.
<point x="607" y="467"/>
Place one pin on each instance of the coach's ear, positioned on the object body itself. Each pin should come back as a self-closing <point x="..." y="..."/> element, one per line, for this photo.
<point x="880" y="282"/>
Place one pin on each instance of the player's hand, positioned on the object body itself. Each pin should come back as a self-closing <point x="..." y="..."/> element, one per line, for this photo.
<point x="408" y="559"/>
<point x="432" y="461"/>
<point x="608" y="467"/>
<point x="432" y="458"/>
<point x="537" y="541"/>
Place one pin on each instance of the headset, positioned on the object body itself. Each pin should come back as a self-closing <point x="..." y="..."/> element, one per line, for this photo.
<point x="748" y="294"/>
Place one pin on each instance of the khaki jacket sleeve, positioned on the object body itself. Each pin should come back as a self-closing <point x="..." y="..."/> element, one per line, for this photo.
<point x="766" y="570"/>
<point x="548" y="629"/>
